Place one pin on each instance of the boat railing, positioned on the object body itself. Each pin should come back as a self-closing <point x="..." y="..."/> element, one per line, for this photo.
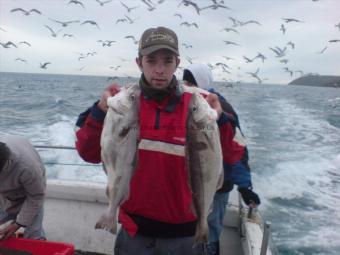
<point x="253" y="215"/>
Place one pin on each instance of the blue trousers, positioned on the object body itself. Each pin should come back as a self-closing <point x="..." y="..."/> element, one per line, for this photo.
<point x="215" y="220"/>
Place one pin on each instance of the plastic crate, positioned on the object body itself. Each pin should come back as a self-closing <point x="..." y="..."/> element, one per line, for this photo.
<point x="38" y="247"/>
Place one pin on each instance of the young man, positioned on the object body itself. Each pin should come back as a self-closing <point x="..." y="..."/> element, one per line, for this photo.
<point x="236" y="168"/>
<point x="157" y="217"/>
<point x="22" y="189"/>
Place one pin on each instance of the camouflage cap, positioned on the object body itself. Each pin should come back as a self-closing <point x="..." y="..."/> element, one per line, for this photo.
<point x="154" y="39"/>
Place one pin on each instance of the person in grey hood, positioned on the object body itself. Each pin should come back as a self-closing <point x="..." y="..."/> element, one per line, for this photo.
<point x="237" y="172"/>
<point x="22" y="188"/>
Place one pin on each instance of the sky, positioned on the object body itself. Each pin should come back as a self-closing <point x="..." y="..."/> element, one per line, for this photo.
<point x="319" y="22"/>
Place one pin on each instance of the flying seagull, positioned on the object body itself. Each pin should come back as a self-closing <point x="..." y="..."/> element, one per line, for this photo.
<point x="189" y="24"/>
<point x="22" y="60"/>
<point x="8" y="44"/>
<point x="44" y="65"/>
<point x="287" y="20"/>
<point x="65" y="23"/>
<point x="26" y="12"/>
<point x="322" y="51"/>
<point x="24" y="42"/>
<point x="128" y="8"/>
<point x="54" y="34"/>
<point x="189" y="3"/>
<point x="334" y="40"/>
<point x="91" y="22"/>
<point x="135" y="41"/>
<point x="101" y="3"/>
<point x="76" y="2"/>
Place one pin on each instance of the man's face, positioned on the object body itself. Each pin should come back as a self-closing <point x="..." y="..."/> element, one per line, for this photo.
<point x="158" y="68"/>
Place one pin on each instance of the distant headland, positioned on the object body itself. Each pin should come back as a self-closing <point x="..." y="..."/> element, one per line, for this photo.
<point x="317" y="80"/>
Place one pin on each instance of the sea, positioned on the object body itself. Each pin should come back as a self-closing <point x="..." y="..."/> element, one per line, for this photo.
<point x="292" y="132"/>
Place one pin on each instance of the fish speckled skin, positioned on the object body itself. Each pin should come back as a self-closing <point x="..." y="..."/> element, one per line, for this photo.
<point x="119" y="150"/>
<point x="204" y="157"/>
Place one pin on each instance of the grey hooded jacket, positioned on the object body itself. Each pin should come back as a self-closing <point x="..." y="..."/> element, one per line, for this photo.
<point x="22" y="180"/>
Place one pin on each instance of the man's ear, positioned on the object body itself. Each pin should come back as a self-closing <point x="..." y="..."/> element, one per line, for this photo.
<point x="178" y="60"/>
<point x="139" y="63"/>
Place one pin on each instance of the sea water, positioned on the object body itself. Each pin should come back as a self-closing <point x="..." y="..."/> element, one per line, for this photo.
<point x="292" y="132"/>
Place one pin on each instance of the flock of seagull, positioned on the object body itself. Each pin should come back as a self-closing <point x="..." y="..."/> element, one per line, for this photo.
<point x="150" y="5"/>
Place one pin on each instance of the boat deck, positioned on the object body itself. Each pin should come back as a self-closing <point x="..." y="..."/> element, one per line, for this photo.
<point x="72" y="209"/>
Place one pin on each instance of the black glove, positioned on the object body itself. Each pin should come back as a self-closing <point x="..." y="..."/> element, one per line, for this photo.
<point x="249" y="196"/>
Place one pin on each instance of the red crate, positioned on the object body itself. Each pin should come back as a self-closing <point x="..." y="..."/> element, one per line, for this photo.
<point x="38" y="247"/>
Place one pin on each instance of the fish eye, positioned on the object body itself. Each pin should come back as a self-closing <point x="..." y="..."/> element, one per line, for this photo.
<point x="132" y="97"/>
<point x="194" y="108"/>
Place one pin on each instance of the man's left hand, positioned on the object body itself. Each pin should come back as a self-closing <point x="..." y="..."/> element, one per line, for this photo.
<point x="9" y="230"/>
<point x="250" y="197"/>
<point x="214" y="103"/>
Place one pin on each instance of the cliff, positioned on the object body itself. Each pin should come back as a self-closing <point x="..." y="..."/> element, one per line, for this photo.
<point x="317" y="80"/>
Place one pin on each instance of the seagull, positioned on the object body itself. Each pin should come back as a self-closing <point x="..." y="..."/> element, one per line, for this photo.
<point x="115" y="67"/>
<point x="248" y="60"/>
<point x="228" y="58"/>
<point x="261" y="56"/>
<point x="227" y="29"/>
<point x="187" y="46"/>
<point x="106" y="42"/>
<point x="135" y="41"/>
<point x="283" y="29"/>
<point x="81" y="68"/>
<point x="230" y="43"/>
<point x="334" y="40"/>
<point x="3" y="29"/>
<point x="121" y="20"/>
<point x="189" y="24"/>
<point x="178" y="15"/>
<point x="21" y="59"/>
<point x="250" y="22"/>
<point x="76" y="2"/>
<point x="284" y="61"/>
<point x="322" y="51"/>
<point x="224" y="66"/>
<point x="130" y="20"/>
<point x="128" y="8"/>
<point x="286" y="69"/>
<point x="150" y="6"/>
<point x="44" y="65"/>
<point x="255" y="75"/>
<point x="68" y="35"/>
<point x="8" y="44"/>
<point x="103" y="2"/>
<point x="278" y="51"/>
<point x="215" y="6"/>
<point x="65" y="23"/>
<point x="26" y="12"/>
<point x="287" y="20"/>
<point x="90" y="22"/>
<point x="24" y="42"/>
<point x="291" y="44"/>
<point x="54" y="34"/>
<point x="338" y="26"/>
<point x="188" y="3"/>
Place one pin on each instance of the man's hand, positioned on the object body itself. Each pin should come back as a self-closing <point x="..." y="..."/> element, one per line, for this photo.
<point x="249" y="197"/>
<point x="214" y="103"/>
<point x="9" y="230"/>
<point x="110" y="91"/>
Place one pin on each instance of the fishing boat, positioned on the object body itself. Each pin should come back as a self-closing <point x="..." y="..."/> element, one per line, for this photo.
<point x="73" y="207"/>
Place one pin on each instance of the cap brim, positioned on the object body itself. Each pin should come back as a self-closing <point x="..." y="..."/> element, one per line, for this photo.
<point x="154" y="48"/>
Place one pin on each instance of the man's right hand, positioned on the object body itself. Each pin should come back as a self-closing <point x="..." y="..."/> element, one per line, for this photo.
<point x="110" y="91"/>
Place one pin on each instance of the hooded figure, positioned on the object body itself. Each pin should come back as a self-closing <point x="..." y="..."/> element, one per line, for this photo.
<point x="199" y="75"/>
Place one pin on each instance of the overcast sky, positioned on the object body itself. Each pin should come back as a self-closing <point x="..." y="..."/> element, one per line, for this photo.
<point x="320" y="23"/>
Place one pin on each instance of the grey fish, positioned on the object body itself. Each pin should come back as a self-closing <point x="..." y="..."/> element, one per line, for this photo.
<point x="119" y="150"/>
<point x="204" y="157"/>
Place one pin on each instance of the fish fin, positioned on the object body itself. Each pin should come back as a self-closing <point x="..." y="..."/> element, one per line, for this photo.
<point x="108" y="222"/>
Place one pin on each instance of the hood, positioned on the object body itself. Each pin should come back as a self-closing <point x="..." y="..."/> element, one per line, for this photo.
<point x="202" y="75"/>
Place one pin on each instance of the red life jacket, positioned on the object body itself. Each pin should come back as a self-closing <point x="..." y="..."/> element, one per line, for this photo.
<point x="159" y="188"/>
